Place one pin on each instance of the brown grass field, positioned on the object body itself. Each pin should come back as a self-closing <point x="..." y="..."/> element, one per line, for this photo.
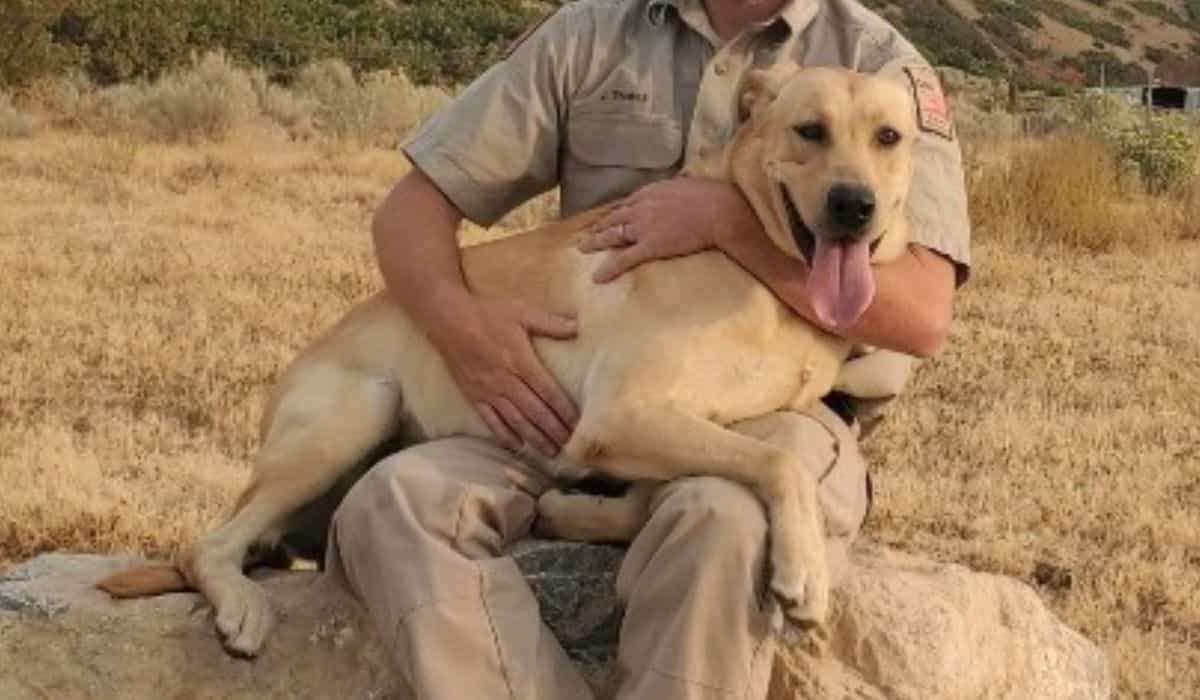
<point x="152" y="292"/>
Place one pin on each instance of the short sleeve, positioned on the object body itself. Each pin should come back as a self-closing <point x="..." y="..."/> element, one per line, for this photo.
<point x="498" y="143"/>
<point x="937" y="204"/>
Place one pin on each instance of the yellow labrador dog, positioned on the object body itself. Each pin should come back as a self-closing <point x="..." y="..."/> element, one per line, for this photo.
<point x="665" y="358"/>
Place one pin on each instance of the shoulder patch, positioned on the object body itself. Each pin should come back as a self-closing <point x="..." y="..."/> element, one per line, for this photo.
<point x="528" y="32"/>
<point x="933" y="109"/>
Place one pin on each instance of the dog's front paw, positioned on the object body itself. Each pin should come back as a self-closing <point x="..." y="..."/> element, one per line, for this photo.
<point x="799" y="581"/>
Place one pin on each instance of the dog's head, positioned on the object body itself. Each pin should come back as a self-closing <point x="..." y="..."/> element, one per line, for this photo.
<point x="825" y="157"/>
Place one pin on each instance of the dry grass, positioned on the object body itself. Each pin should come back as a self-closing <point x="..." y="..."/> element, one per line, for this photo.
<point x="1069" y="189"/>
<point x="152" y="292"/>
<point x="212" y="96"/>
<point x="13" y="124"/>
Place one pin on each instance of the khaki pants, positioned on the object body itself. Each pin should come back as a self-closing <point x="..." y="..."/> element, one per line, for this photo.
<point x="421" y="540"/>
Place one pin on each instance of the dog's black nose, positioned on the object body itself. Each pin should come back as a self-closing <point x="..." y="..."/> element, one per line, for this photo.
<point x="850" y="208"/>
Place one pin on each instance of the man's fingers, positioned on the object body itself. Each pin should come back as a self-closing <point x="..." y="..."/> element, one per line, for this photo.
<point x="537" y="411"/>
<point x="611" y="237"/>
<point x="539" y="380"/>
<point x="551" y="325"/>
<point x="620" y="261"/>
<point x="619" y="213"/>
<point x="494" y="423"/>
<point x="522" y="427"/>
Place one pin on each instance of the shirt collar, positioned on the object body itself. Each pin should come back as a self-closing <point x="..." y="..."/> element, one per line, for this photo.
<point x="795" y="14"/>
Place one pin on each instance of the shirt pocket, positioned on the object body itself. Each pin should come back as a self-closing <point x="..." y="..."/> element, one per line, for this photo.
<point x="609" y="155"/>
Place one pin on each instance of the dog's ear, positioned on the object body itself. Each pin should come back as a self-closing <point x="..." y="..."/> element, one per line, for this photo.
<point x="760" y="86"/>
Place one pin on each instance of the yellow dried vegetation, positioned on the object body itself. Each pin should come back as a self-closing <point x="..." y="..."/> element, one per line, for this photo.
<point x="153" y="290"/>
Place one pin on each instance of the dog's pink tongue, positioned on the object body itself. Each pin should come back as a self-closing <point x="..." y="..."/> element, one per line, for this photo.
<point x="840" y="285"/>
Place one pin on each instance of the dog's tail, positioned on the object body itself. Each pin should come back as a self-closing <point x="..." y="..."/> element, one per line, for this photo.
<point x="152" y="579"/>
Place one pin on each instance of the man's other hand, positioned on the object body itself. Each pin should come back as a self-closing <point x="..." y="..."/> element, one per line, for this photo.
<point x="666" y="219"/>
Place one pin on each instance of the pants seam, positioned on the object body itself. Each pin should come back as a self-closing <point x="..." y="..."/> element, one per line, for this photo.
<point x="688" y="681"/>
<point x="754" y="659"/>
<point x="837" y="448"/>
<point x="495" y="636"/>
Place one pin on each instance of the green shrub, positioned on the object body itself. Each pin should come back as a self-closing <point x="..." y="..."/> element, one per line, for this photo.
<point x="112" y="110"/>
<point x="1018" y="11"/>
<point x="13" y="124"/>
<point x="945" y="37"/>
<point x="1116" y="71"/>
<point x="1007" y="31"/>
<point x="29" y="51"/>
<point x="293" y="112"/>
<point x="434" y="41"/>
<point x="1193" y="10"/>
<point x="202" y="101"/>
<point x="1163" y="151"/>
<point x="1078" y="19"/>
<point x="1102" y="114"/>
<point x="120" y="40"/>
<point x="1159" y="10"/>
<point x="385" y="104"/>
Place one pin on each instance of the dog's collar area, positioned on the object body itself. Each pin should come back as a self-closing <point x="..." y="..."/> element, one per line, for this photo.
<point x="805" y="239"/>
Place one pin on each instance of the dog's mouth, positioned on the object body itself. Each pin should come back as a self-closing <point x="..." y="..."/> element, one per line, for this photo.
<point x="840" y="284"/>
<point x="806" y="240"/>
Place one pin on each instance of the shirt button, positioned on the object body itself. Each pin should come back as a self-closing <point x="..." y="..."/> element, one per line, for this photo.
<point x="720" y="69"/>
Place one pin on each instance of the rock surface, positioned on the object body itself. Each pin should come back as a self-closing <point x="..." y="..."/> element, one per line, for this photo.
<point x="901" y="627"/>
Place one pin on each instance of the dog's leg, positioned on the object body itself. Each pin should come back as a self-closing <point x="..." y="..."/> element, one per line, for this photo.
<point x="320" y="429"/>
<point x="661" y="443"/>
<point x="586" y="517"/>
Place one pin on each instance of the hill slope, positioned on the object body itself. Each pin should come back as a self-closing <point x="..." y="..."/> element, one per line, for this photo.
<point x="1053" y="42"/>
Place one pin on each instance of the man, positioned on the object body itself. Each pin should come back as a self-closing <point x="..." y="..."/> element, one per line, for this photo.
<point x="604" y="98"/>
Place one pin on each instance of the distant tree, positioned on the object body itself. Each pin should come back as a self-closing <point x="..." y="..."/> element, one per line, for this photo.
<point x="27" y="49"/>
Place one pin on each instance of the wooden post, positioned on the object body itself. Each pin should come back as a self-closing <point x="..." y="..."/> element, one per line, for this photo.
<point x="1012" y="91"/>
<point x="1149" y="93"/>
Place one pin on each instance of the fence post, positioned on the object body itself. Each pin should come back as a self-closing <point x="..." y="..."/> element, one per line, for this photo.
<point x="1149" y="93"/>
<point x="1012" y="91"/>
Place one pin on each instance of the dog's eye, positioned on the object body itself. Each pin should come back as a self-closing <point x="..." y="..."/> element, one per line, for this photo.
<point x="812" y="131"/>
<point x="888" y="136"/>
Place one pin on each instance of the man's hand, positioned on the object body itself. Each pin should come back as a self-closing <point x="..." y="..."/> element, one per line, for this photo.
<point x="666" y="219"/>
<point x="489" y="351"/>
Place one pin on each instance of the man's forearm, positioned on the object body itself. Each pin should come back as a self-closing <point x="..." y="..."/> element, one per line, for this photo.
<point x="417" y="250"/>
<point x="911" y="308"/>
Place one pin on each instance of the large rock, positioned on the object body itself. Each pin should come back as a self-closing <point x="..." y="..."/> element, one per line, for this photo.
<point x="901" y="627"/>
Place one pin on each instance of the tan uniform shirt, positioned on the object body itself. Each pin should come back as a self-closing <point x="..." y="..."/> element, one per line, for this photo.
<point x="604" y="96"/>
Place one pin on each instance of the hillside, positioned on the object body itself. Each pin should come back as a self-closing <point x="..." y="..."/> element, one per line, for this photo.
<point x="1044" y="43"/>
<point x="1053" y="42"/>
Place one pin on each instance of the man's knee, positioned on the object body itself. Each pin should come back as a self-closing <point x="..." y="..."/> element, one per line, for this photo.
<point x="448" y="492"/>
<point x="816" y="441"/>
<point x="705" y="541"/>
<point x="726" y="516"/>
<point x="392" y="489"/>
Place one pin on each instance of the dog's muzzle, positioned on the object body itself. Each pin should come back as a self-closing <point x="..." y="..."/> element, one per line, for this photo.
<point x="806" y="241"/>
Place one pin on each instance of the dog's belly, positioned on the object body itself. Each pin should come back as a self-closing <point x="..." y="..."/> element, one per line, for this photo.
<point x="702" y="334"/>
